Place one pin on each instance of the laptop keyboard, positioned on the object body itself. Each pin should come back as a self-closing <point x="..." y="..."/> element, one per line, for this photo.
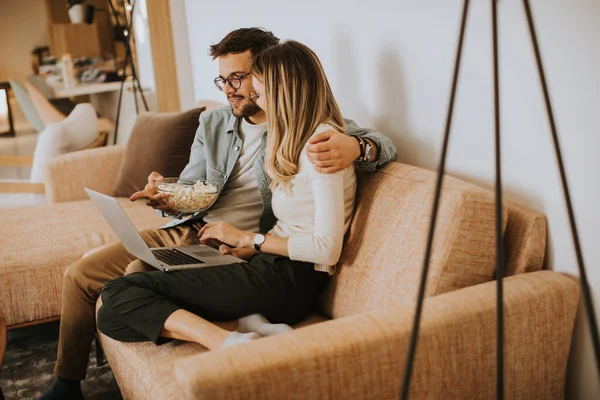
<point x="175" y="257"/>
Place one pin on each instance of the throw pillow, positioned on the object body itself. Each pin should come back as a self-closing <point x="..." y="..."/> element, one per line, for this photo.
<point x="73" y="133"/>
<point x="159" y="142"/>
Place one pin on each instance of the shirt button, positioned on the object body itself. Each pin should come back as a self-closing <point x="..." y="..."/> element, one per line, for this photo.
<point x="237" y="148"/>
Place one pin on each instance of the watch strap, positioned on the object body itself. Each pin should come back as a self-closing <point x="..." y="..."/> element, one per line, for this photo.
<point x="361" y="144"/>
<point x="368" y="151"/>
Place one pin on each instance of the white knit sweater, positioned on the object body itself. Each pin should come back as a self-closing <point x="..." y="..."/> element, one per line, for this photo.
<point x="317" y="214"/>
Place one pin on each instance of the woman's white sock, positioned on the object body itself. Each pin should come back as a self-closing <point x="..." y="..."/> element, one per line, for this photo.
<point x="237" y="338"/>
<point x="259" y="324"/>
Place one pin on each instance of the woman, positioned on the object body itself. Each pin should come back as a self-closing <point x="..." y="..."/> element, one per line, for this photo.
<point x="283" y="280"/>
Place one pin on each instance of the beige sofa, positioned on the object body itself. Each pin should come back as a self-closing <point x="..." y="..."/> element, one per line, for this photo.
<point x="355" y="346"/>
<point x="39" y="242"/>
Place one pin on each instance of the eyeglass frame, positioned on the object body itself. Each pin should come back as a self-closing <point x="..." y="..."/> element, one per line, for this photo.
<point x="228" y="80"/>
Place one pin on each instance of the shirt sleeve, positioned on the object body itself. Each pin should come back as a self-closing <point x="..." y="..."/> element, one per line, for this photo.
<point x="324" y="245"/>
<point x="387" y="150"/>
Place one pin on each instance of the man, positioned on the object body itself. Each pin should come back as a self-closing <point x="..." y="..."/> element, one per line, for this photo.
<point x="229" y="147"/>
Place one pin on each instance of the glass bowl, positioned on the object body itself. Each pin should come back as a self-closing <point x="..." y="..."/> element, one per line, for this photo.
<point x="188" y="195"/>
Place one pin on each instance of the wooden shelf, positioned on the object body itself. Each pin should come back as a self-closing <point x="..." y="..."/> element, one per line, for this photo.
<point x="21" y="187"/>
<point x="16" y="161"/>
<point x="81" y="40"/>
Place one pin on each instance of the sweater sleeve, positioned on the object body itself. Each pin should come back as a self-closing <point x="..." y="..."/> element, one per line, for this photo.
<point x="324" y="244"/>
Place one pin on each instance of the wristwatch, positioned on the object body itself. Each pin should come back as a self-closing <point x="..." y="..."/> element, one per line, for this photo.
<point x="259" y="239"/>
<point x="366" y="149"/>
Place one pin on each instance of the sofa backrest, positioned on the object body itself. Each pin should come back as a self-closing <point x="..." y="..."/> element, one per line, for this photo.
<point x="524" y="240"/>
<point x="383" y="254"/>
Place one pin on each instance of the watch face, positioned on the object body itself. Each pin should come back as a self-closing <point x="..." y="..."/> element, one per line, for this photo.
<point x="259" y="239"/>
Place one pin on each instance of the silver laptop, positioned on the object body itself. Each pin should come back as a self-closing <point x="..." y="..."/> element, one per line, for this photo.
<point x="163" y="258"/>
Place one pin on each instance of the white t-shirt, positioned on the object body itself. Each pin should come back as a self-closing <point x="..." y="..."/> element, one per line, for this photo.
<point x="240" y="203"/>
<point x="317" y="213"/>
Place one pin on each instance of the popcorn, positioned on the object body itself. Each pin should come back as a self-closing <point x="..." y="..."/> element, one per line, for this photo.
<point x="190" y="198"/>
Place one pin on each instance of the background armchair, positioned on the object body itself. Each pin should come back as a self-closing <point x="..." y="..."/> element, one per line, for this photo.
<point x="78" y="131"/>
<point x="40" y="111"/>
<point x="64" y="105"/>
<point x="26" y="105"/>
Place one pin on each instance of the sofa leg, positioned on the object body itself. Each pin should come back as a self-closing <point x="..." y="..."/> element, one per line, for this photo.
<point x="99" y="354"/>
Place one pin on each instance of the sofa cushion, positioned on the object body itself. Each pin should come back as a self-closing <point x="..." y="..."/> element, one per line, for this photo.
<point x="383" y="255"/>
<point x="145" y="371"/>
<point x="159" y="142"/>
<point x="525" y="240"/>
<point x="39" y="243"/>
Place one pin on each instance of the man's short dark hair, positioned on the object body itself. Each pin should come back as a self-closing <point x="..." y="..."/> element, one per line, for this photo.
<point x="254" y="39"/>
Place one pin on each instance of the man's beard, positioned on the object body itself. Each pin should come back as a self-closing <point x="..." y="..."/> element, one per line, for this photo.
<point x="248" y="110"/>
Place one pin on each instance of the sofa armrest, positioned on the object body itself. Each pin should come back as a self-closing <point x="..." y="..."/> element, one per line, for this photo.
<point x="68" y="174"/>
<point x="363" y="356"/>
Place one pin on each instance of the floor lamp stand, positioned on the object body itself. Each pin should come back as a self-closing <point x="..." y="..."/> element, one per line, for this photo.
<point x="128" y="61"/>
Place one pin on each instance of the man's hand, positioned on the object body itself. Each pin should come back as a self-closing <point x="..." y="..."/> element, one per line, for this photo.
<point x="154" y="199"/>
<point x="225" y="233"/>
<point x="332" y="151"/>
<point x="243" y="253"/>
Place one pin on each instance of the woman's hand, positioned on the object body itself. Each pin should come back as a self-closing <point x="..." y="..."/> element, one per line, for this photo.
<point x="243" y="253"/>
<point x="227" y="234"/>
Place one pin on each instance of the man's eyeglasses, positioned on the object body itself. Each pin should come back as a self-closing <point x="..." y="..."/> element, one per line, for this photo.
<point x="235" y="81"/>
<point x="254" y="96"/>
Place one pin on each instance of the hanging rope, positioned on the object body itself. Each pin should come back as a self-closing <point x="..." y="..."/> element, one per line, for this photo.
<point x="585" y="287"/>
<point x="499" y="240"/>
<point x="438" y="189"/>
<point x="498" y="212"/>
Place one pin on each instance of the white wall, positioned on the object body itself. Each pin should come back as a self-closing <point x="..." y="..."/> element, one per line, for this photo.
<point x="182" y="54"/>
<point x="145" y="63"/>
<point x="143" y="47"/>
<point x="390" y="65"/>
<point x="22" y="28"/>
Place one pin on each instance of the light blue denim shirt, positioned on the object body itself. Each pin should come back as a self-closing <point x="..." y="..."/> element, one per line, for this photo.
<point x="217" y="147"/>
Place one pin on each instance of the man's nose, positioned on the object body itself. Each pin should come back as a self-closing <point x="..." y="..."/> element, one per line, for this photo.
<point x="229" y="90"/>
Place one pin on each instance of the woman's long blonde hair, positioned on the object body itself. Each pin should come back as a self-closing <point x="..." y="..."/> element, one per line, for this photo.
<point x="298" y="99"/>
